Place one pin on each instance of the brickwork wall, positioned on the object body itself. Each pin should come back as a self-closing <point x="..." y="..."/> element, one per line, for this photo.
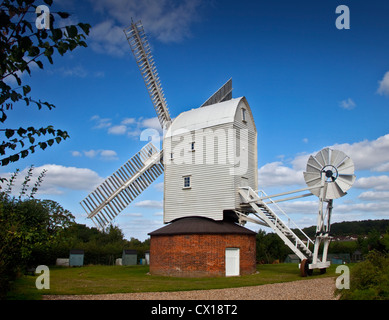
<point x="199" y="255"/>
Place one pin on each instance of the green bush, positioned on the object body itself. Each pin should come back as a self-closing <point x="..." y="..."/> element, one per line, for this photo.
<point x="369" y="279"/>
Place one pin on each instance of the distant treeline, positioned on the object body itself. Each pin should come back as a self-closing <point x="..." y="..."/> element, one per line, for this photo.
<point x="369" y="234"/>
<point x="353" y="228"/>
<point x="100" y="247"/>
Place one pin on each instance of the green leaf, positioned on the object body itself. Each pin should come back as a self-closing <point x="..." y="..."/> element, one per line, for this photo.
<point x="62" y="48"/>
<point x="50" y="142"/>
<point x="85" y="27"/>
<point x="24" y="153"/>
<point x="14" y="96"/>
<point x="63" y="15"/>
<point x="21" y="132"/>
<point x="57" y="34"/>
<point x="14" y="158"/>
<point x="43" y="145"/>
<point x="72" y="31"/>
<point x="25" y="43"/>
<point x="9" y="133"/>
<point x="26" y="89"/>
<point x="4" y="161"/>
<point x="40" y="64"/>
<point x="33" y="51"/>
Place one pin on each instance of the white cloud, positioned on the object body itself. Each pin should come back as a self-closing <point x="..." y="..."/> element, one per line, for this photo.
<point x="276" y="174"/>
<point x="367" y="154"/>
<point x="131" y="214"/>
<point x="375" y="182"/>
<point x="58" y="179"/>
<point x="130" y="126"/>
<point x="104" y="154"/>
<point x="108" y="155"/>
<point x="149" y="204"/>
<point x="101" y="123"/>
<point x="383" y="88"/>
<point x="152" y="123"/>
<point x="90" y="153"/>
<point x="167" y="20"/>
<point x="374" y="196"/>
<point x="159" y="186"/>
<point x="76" y="71"/>
<point x="117" y="130"/>
<point x="347" y="104"/>
<point x="127" y="121"/>
<point x="139" y="227"/>
<point x="300" y="206"/>
<point x="108" y="38"/>
<point x="76" y="154"/>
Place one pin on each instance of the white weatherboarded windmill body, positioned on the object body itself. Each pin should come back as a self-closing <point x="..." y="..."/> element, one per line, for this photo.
<point x="209" y="153"/>
<point x="210" y="165"/>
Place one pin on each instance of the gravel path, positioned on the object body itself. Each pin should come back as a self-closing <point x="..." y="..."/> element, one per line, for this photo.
<point x="312" y="289"/>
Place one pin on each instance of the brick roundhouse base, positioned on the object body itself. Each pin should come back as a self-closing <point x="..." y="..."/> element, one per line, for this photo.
<point x="196" y="247"/>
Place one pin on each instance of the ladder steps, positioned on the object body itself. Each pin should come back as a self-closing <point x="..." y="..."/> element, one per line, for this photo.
<point x="273" y="221"/>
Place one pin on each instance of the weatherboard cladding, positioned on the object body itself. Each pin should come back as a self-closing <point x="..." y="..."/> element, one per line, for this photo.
<point x="213" y="186"/>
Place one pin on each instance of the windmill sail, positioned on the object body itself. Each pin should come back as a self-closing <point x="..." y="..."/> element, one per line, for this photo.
<point x="141" y="49"/>
<point x="223" y="94"/>
<point x="121" y="188"/>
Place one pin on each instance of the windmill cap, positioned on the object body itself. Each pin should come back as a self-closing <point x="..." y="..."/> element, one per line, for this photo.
<point x="205" y="117"/>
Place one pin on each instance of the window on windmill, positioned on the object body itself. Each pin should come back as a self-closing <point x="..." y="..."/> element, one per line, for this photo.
<point x="244" y="115"/>
<point x="186" y="182"/>
<point x="192" y="146"/>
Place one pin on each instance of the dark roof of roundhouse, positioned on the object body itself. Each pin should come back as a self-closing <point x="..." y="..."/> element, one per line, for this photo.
<point x="201" y="225"/>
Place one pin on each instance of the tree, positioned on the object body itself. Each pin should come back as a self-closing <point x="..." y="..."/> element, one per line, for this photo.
<point x="27" y="226"/>
<point x="270" y="247"/>
<point x="21" y="46"/>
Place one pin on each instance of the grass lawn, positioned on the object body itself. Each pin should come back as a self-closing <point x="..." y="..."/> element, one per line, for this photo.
<point x="99" y="279"/>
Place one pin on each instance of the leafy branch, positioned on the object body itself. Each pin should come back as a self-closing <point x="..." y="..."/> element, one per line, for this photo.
<point x="24" y="135"/>
<point x="21" y="45"/>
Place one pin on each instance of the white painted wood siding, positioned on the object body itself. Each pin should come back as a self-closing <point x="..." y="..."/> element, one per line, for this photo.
<point x="210" y="167"/>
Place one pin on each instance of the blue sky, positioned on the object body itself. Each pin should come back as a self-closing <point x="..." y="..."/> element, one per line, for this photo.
<point x="309" y="84"/>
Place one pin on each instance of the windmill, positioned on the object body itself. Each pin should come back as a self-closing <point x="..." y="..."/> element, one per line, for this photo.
<point x="210" y="167"/>
<point x="124" y="185"/>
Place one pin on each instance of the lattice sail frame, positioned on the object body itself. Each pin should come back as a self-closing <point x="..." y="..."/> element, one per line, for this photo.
<point x="140" y="47"/>
<point x="122" y="187"/>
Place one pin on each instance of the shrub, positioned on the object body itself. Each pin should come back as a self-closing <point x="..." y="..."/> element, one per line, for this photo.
<point x="369" y="279"/>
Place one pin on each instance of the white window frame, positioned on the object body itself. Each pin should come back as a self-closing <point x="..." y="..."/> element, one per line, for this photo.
<point x="184" y="182"/>
<point x="244" y="115"/>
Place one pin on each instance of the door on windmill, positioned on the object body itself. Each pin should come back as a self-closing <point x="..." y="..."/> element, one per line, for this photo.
<point x="232" y="262"/>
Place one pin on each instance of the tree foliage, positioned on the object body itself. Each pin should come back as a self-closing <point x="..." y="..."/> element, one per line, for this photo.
<point x="100" y="247"/>
<point x="23" y="45"/>
<point x="369" y="279"/>
<point x="270" y="247"/>
<point x="27" y="225"/>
